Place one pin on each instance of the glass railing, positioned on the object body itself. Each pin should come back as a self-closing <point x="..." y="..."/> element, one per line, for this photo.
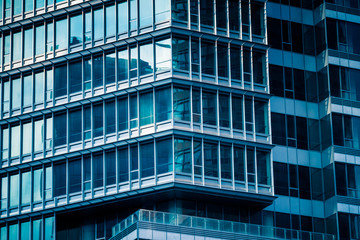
<point x="217" y="225"/>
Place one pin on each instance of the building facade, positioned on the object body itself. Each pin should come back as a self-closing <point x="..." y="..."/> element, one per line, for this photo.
<point x="191" y="109"/>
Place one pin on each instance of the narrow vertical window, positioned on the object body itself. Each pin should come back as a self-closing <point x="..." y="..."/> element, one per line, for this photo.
<point x="163" y="55"/>
<point x="180" y="53"/>
<point x="98" y="166"/>
<point x="261" y="117"/>
<point x="133" y="111"/>
<point x="110" y="163"/>
<point x="39" y="88"/>
<point x="110" y="68"/>
<point x="123" y="164"/>
<point x="110" y="117"/>
<point x="61" y="38"/>
<point x="239" y="164"/>
<point x="163" y="104"/>
<point x="5" y="144"/>
<point x="146" y="62"/>
<point x="147" y="159"/>
<point x="196" y="105"/>
<point x="16" y="47"/>
<point x="249" y="114"/>
<point x="4" y="193"/>
<point x="208" y="58"/>
<point x="164" y="156"/>
<point x="209" y="108"/>
<point x="179" y="10"/>
<point x="223" y="65"/>
<point x="26" y="138"/>
<point x="60" y="81"/>
<point x="122" y="15"/>
<point x="25" y="231"/>
<point x="98" y="24"/>
<point x="181" y="104"/>
<point x="224" y="108"/>
<point x="76" y="30"/>
<point x="27" y="95"/>
<point x="59" y="179"/>
<point x="50" y="37"/>
<point x="16" y="94"/>
<point x="28" y="43"/>
<point x="122" y="114"/>
<point x="226" y="168"/>
<point x="40" y="40"/>
<point x="182" y="155"/>
<point x="146" y="109"/>
<point x="48" y="183"/>
<point x="37" y="185"/>
<point x="88" y="27"/>
<point x="211" y="160"/>
<point x="60" y="129"/>
<point x="98" y="122"/>
<point x="123" y="65"/>
<point x="39" y="135"/>
<point x="75" y="121"/>
<point x="145" y="13"/>
<point x="110" y="21"/>
<point x="98" y="71"/>
<point x="37" y="229"/>
<point x="15" y="141"/>
<point x="29" y="5"/>
<point x="14" y="191"/>
<point x="75" y="176"/>
<point x="87" y="122"/>
<point x="75" y="77"/>
<point x="162" y="11"/>
<point x="133" y="15"/>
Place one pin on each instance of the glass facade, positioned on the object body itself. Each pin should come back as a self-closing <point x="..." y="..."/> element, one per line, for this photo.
<point x="235" y="110"/>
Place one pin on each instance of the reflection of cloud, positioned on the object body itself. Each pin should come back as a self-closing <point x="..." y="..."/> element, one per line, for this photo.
<point x="75" y="40"/>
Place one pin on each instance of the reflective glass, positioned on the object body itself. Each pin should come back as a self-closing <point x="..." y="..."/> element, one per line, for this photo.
<point x="123" y="164"/>
<point x="39" y="3"/>
<point x="7" y="49"/>
<point x="263" y="168"/>
<point x="29" y="5"/>
<point x="223" y="66"/>
<point x="25" y="188"/>
<point x="239" y="164"/>
<point x="226" y="169"/>
<point x="164" y="161"/>
<point x="122" y="14"/>
<point x="88" y="27"/>
<point x="163" y="104"/>
<point x="110" y="68"/>
<point x="4" y="193"/>
<point x="146" y="12"/>
<point x="110" y="164"/>
<point x="261" y="117"/>
<point x="110" y="114"/>
<point x="221" y="15"/>
<point x="39" y="40"/>
<point x="234" y="17"/>
<point x="59" y="179"/>
<point x="208" y="58"/>
<point x="259" y="65"/>
<point x="25" y="231"/>
<point x="87" y="173"/>
<point x="146" y="109"/>
<point x="98" y="124"/>
<point x="75" y="77"/>
<point x="110" y="21"/>
<point x="146" y="59"/>
<point x="98" y="71"/>
<point x="147" y="159"/>
<point x="50" y="37"/>
<point x="98" y="170"/>
<point x="6" y="96"/>
<point x="75" y="122"/>
<point x="209" y="108"/>
<point x="48" y="183"/>
<point x="3" y="233"/>
<point x="15" y="141"/>
<point x="211" y="160"/>
<point x="182" y="155"/>
<point x="180" y="54"/>
<point x="27" y="138"/>
<point x="37" y="185"/>
<point x="87" y="74"/>
<point x="16" y="47"/>
<point x="27" y="100"/>
<point x="76" y="30"/>
<point x="98" y="24"/>
<point x="133" y="62"/>
<point x="123" y="65"/>
<point x="49" y="228"/>
<point x="37" y="229"/>
<point x="134" y="162"/>
<point x="14" y="191"/>
<point x="5" y="143"/>
<point x="235" y="59"/>
<point x="207" y="12"/>
<point x="13" y="231"/>
<point x="75" y="176"/>
<point x="163" y="55"/>
<point x="39" y="88"/>
<point x="224" y="110"/>
<point x="133" y="15"/>
<point x="181" y="104"/>
<point x="39" y="135"/>
<point x="87" y="122"/>
<point x="60" y="81"/>
<point x="16" y="94"/>
<point x="133" y="111"/>
<point x="28" y="43"/>
<point x="123" y="114"/>
<point x="60" y="129"/>
<point x="162" y="10"/>
<point x="196" y="105"/>
<point x="61" y="38"/>
<point x="179" y="10"/>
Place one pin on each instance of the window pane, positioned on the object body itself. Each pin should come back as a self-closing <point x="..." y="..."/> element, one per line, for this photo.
<point x="197" y="157"/>
<point x="15" y="141"/>
<point x="36" y="229"/>
<point x="49" y="228"/>
<point x="59" y="179"/>
<point x="146" y="59"/>
<point x="17" y="7"/>
<point x="88" y="27"/>
<point x="76" y="30"/>
<point x="87" y="172"/>
<point x="123" y="114"/>
<point x="147" y="159"/>
<point x="61" y="34"/>
<point x="179" y="10"/>
<point x="163" y="104"/>
<point x="60" y="81"/>
<point x="211" y="160"/>
<point x="163" y="55"/>
<point x="14" y="191"/>
<point x="39" y="135"/>
<point x="133" y="111"/>
<point x="13" y="231"/>
<point x="50" y="38"/>
<point x="110" y="21"/>
<point x="122" y="16"/>
<point x="25" y="231"/>
<point x="75" y="176"/>
<point x="237" y="114"/>
<point x="162" y="10"/>
<point x="4" y="193"/>
<point x="224" y="114"/>
<point x="27" y="101"/>
<point x="133" y="15"/>
<point x="263" y="167"/>
<point x="134" y="162"/>
<point x="16" y="94"/>
<point x="223" y="67"/>
<point x="48" y="183"/>
<point x="37" y="185"/>
<point x="110" y="68"/>
<point x="226" y="169"/>
<point x="182" y="155"/>
<point x="39" y="88"/>
<point x="207" y="12"/>
<point x="123" y="67"/>
<point x="16" y="49"/>
<point x="259" y="67"/>
<point x="208" y="58"/>
<point x="146" y="109"/>
<point x="29" y="5"/>
<point x="110" y="167"/>
<point x="87" y="74"/>
<point x="98" y="123"/>
<point x="75" y="121"/>
<point x="234" y="15"/>
<point x="164" y="156"/>
<point x="133" y="62"/>
<point x="28" y="43"/>
<point x="25" y="188"/>
<point x="181" y="104"/>
<point x="98" y="71"/>
<point x="239" y="164"/>
<point x="146" y="11"/>
<point x="180" y="54"/>
<point x="40" y="40"/>
<point x="261" y="117"/>
<point x="123" y="164"/>
<point x="5" y="143"/>
<point x="110" y="117"/>
<point x="98" y="24"/>
<point x="60" y="129"/>
<point x="209" y="108"/>
<point x="75" y="77"/>
<point x="98" y="170"/>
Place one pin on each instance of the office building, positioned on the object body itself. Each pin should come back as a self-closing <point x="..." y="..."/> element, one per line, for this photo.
<point x="161" y="119"/>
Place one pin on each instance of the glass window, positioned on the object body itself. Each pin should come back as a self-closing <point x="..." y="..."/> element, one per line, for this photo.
<point x="179" y="10"/>
<point x="76" y="30"/>
<point x="263" y="168"/>
<point x="211" y="159"/>
<point x="164" y="161"/>
<point x="146" y="59"/>
<point x="182" y="155"/>
<point x="226" y="168"/>
<point x="98" y="71"/>
<point x="209" y="108"/>
<point x="123" y="66"/>
<point x="133" y="62"/>
<point x="261" y="117"/>
<point x="98" y="123"/>
<point x="234" y="17"/>
<point x="134" y="162"/>
<point x="61" y="38"/>
<point x="223" y="66"/>
<point x="74" y="176"/>
<point x="60" y="179"/>
<point x="197" y="158"/>
<point x="123" y="114"/>
<point x="195" y="55"/>
<point x="25" y="188"/>
<point x="28" y="93"/>
<point x="16" y="47"/>
<point x="110" y="165"/>
<point x="181" y="104"/>
<point x="180" y="53"/>
<point x="257" y="19"/>
<point x="146" y="109"/>
<point x="37" y="185"/>
<point x="245" y="17"/>
<point x="162" y="11"/>
<point x="250" y="155"/>
<point x="39" y="88"/>
<point x="13" y="231"/>
<point x="29" y="5"/>
<point x="39" y="4"/>
<point x="60" y="129"/>
<point x="7" y="49"/>
<point x="133" y="111"/>
<point x="110" y="117"/>
<point x="237" y="112"/>
<point x="249" y="114"/>
<point x="16" y="94"/>
<point x="88" y="27"/>
<point x="49" y="228"/>
<point x="221" y="15"/>
<point x="25" y="231"/>
<point x="123" y="164"/>
<point x="40" y="40"/>
<point x="87" y="122"/>
<point x="98" y="24"/>
<point x="98" y="170"/>
<point x="224" y="108"/>
<point x="5" y="143"/>
<point x="147" y="159"/>
<point x="87" y="74"/>
<point x="75" y="121"/>
<point x="110" y="21"/>
<point x="50" y="38"/>
<point x="247" y="64"/>
<point x="235" y="58"/>
<point x="6" y="96"/>
<point x="145" y="13"/>
<point x="39" y="135"/>
<point x="36" y="229"/>
<point x="122" y="15"/>
<point x="4" y="191"/>
<point x="208" y="58"/>
<point x="196" y="105"/>
<point x="28" y="43"/>
<point x="60" y="81"/>
<point x="133" y="15"/>
<point x="87" y="172"/>
<point x="75" y="77"/>
<point x="15" y="141"/>
<point x="163" y="55"/>
<point x="239" y="164"/>
<point x="14" y="191"/>
<point x="259" y="67"/>
<point x="163" y="104"/>
<point x="3" y="233"/>
<point x="48" y="183"/>
<point x="207" y="12"/>
<point x="110" y="68"/>
<point x="49" y="133"/>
